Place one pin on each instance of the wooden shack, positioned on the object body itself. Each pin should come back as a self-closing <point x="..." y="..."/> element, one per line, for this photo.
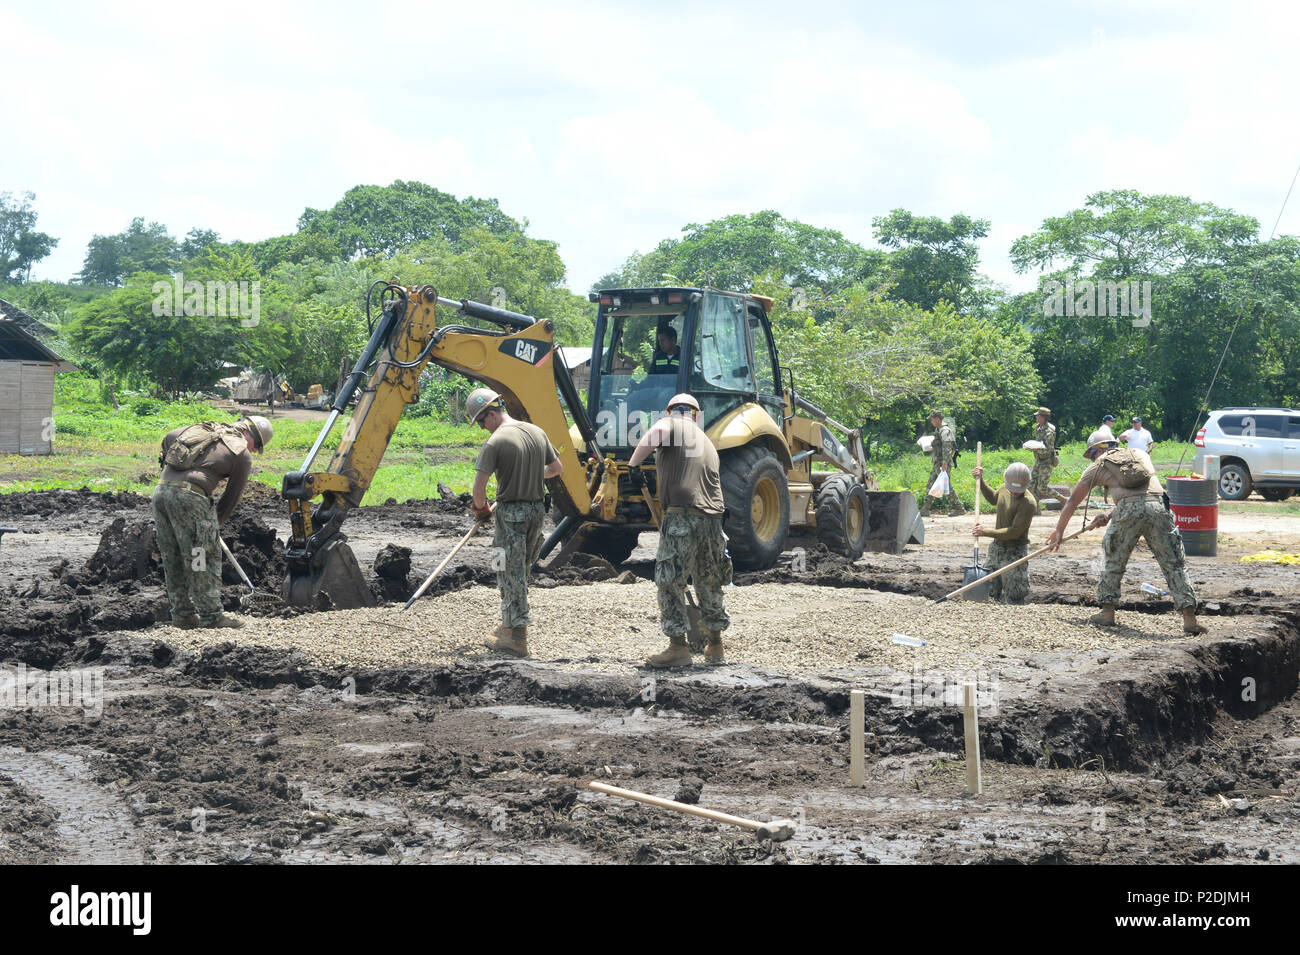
<point x="27" y="370"/>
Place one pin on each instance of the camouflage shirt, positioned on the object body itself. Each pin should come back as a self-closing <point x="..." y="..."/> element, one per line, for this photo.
<point x="945" y="445"/>
<point x="1045" y="433"/>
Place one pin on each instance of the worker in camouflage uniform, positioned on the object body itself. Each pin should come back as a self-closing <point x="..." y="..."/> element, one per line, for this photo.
<point x="522" y="458"/>
<point x="1010" y="534"/>
<point x="944" y="450"/>
<point x="1139" y="511"/>
<point x="1045" y="458"/>
<point x="691" y="542"/>
<point x="195" y="459"/>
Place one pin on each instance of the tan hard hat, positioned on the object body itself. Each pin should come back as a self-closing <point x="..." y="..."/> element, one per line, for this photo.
<point x="1016" y="477"/>
<point x="263" y="429"/>
<point x="479" y="402"/>
<point x="1099" y="437"/>
<point x="683" y="399"/>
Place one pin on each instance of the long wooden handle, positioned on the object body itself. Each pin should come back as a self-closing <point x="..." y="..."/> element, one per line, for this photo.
<point x="445" y="561"/>
<point x="1015" y="563"/>
<point x="678" y="806"/>
<point x="650" y="503"/>
<point x="979" y="463"/>
<point x="226" y="550"/>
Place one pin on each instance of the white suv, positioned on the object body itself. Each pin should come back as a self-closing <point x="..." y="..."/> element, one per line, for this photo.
<point x="1258" y="448"/>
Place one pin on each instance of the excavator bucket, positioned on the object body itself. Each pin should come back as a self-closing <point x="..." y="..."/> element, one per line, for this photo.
<point x="894" y="521"/>
<point x="333" y="572"/>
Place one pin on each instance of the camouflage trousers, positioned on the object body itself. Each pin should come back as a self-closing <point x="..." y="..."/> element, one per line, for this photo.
<point x="1013" y="586"/>
<point x="516" y="544"/>
<point x="691" y="545"/>
<point x="185" y="523"/>
<point x="1040" y="475"/>
<point x="952" y="495"/>
<point x="1136" y="517"/>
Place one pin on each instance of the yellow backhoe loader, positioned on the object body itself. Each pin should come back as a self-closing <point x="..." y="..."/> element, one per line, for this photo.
<point x="649" y="345"/>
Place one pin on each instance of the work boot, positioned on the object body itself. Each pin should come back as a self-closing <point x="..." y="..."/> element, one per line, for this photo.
<point x="958" y="511"/>
<point x="713" y="649"/>
<point x="678" y="654"/>
<point x="1189" y="621"/>
<point x="512" y="641"/>
<point x="1106" y="618"/>
<point x="925" y="511"/>
<point x="188" y="622"/>
<point x="224" y="622"/>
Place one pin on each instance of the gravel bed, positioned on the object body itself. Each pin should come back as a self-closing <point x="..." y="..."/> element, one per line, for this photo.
<point x="784" y="628"/>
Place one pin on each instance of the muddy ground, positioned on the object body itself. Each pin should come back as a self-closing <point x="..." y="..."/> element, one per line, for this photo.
<point x="1154" y="748"/>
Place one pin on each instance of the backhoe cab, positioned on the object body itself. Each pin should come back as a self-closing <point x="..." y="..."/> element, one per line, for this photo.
<point x="653" y="343"/>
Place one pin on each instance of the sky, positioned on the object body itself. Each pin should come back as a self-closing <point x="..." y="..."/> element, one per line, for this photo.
<point x="611" y="126"/>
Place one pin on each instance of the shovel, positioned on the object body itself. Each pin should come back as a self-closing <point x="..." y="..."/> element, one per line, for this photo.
<point x="446" y="560"/>
<point x="975" y="573"/>
<point x="247" y="599"/>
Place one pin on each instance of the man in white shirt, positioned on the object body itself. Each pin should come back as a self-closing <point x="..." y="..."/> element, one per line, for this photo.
<point x="1137" y="437"/>
<point x="1106" y="424"/>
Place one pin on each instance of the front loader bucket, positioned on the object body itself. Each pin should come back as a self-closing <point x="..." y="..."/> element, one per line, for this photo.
<point x="333" y="572"/>
<point x="893" y="522"/>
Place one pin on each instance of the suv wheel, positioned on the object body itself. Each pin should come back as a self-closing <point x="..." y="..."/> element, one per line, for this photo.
<point x="1276" y="493"/>
<point x="1234" y="482"/>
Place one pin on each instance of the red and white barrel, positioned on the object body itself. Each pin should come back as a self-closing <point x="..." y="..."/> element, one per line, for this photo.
<point x="1195" y="503"/>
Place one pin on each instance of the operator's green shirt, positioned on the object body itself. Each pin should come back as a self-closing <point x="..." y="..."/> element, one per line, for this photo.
<point x="517" y="452"/>
<point x="1014" y="513"/>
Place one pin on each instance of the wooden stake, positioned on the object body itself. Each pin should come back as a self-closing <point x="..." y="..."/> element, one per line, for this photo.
<point x="970" y="716"/>
<point x="857" y="738"/>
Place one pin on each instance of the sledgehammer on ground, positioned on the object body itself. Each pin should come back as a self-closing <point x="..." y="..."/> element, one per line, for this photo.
<point x="778" y="830"/>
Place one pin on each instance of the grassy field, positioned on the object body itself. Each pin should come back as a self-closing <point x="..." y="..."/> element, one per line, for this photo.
<point x="911" y="471"/>
<point x="116" y="449"/>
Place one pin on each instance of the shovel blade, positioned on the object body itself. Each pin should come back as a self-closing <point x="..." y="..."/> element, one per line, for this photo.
<point x="970" y="575"/>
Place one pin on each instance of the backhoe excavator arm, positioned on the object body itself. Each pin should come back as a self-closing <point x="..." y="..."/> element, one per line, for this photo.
<point x="519" y="362"/>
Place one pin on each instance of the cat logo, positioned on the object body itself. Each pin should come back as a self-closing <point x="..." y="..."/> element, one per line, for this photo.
<point x="527" y="350"/>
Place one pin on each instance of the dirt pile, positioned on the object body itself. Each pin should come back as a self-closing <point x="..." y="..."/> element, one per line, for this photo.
<point x="393" y="573"/>
<point x="54" y="503"/>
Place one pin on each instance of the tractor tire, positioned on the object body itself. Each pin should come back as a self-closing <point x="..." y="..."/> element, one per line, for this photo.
<point x="1234" y="482"/>
<point x="842" y="515"/>
<point x="612" y="543"/>
<point x="1276" y="493"/>
<point x="758" y="506"/>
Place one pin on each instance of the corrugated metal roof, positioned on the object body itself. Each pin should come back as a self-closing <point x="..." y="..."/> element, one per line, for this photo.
<point x="16" y="344"/>
<point x="33" y="327"/>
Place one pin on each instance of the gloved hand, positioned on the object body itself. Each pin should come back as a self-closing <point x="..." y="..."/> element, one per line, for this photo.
<point x="481" y="513"/>
<point x="636" y="477"/>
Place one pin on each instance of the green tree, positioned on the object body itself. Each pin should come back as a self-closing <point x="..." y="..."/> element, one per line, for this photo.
<point x="731" y="253"/>
<point x="21" y="246"/>
<point x="111" y="259"/>
<point x="933" y="260"/>
<point x="1210" y="278"/>
<point x="381" y="220"/>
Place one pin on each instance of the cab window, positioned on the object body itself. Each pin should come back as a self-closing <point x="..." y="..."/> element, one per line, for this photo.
<point x="721" y="350"/>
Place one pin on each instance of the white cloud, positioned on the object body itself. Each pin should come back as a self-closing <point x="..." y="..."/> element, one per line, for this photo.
<point x="609" y="128"/>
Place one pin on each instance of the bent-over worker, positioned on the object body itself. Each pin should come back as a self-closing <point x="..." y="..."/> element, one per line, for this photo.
<point x="1139" y="511"/>
<point x="195" y="459"/>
